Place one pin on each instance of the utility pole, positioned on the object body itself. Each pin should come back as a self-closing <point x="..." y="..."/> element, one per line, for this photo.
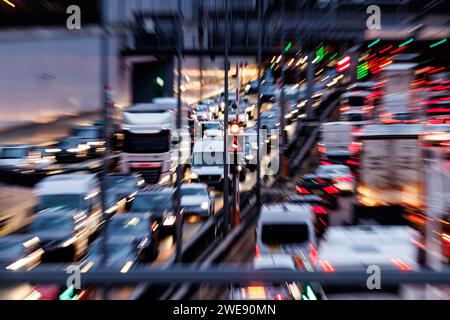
<point x="282" y="100"/>
<point x="226" y="206"/>
<point x="178" y="211"/>
<point x="258" y="124"/>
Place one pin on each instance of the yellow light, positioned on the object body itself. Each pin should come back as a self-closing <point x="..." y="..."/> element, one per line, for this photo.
<point x="87" y="267"/>
<point x="10" y="3"/>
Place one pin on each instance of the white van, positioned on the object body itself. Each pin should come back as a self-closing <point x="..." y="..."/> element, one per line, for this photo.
<point x="355" y="248"/>
<point x="78" y="191"/>
<point x="336" y="140"/>
<point x="289" y="229"/>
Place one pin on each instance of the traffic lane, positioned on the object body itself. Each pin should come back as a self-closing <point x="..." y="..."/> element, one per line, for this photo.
<point x="45" y="133"/>
<point x="344" y="213"/>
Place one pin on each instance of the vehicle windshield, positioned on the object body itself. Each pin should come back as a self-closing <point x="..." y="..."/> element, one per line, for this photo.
<point x="274" y="234"/>
<point x="201" y="108"/>
<point x="60" y="224"/>
<point x="62" y="201"/>
<point x="194" y="192"/>
<point x="13" y="153"/>
<point x="353" y="117"/>
<point x="339" y="171"/>
<point x="207" y="158"/>
<point x="121" y="183"/>
<point x="69" y="143"/>
<point x="356" y="101"/>
<point x="132" y="226"/>
<point x="146" y="142"/>
<point x="87" y="133"/>
<point x="11" y="249"/>
<point x="117" y="250"/>
<point x="152" y="202"/>
<point x="211" y="126"/>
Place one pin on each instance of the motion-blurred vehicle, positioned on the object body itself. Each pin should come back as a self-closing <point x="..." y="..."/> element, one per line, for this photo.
<point x="356" y="247"/>
<point x="150" y="142"/>
<point x="251" y="87"/>
<point x="390" y="177"/>
<point x="196" y="200"/>
<point x="212" y="128"/>
<point x="243" y="116"/>
<point x="341" y="175"/>
<point x="288" y="229"/>
<point x="213" y="107"/>
<point x="23" y="158"/>
<point x="202" y="112"/>
<point x="267" y="91"/>
<point x="356" y="118"/>
<point x="122" y="254"/>
<point x="355" y="100"/>
<point x="91" y="136"/>
<point x="322" y="185"/>
<point x="20" y="252"/>
<point x="273" y="291"/>
<point x="140" y="229"/>
<point x="70" y="149"/>
<point x="159" y="202"/>
<point x="64" y="234"/>
<point x="336" y="143"/>
<point x="123" y="187"/>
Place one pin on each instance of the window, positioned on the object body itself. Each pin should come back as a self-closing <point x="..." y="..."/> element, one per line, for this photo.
<point x="284" y="233"/>
<point x="13" y="153"/>
<point x="62" y="201"/>
<point x="60" y="224"/>
<point x="129" y="226"/>
<point x="147" y="143"/>
<point x="87" y="133"/>
<point x="193" y="192"/>
<point x="157" y="202"/>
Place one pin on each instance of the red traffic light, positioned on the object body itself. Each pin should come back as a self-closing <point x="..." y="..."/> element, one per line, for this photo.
<point x="235" y="128"/>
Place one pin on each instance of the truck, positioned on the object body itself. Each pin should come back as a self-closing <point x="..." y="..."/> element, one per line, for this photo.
<point x="337" y="142"/>
<point x="390" y="175"/>
<point x="150" y="142"/>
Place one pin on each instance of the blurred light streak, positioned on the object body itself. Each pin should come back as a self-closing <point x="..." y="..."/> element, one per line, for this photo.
<point x="406" y="42"/>
<point x="9" y="3"/>
<point x="438" y="43"/>
<point x="373" y="43"/>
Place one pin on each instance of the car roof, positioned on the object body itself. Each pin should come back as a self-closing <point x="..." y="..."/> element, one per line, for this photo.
<point x="391" y="130"/>
<point x="75" y="183"/>
<point x="274" y="261"/>
<point x="285" y="213"/>
<point x="356" y="93"/>
<point x="208" y="144"/>
<point x="334" y="166"/>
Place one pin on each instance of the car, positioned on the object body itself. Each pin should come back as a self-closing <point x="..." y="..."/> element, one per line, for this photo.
<point x="288" y="229"/>
<point x="202" y="112"/>
<point x="140" y="228"/>
<point x="267" y="91"/>
<point x="322" y="185"/>
<point x="122" y="188"/>
<point x="23" y="157"/>
<point x="356" y="117"/>
<point x="70" y="149"/>
<point x="212" y="128"/>
<point x="196" y="200"/>
<point x="76" y="191"/>
<point x="341" y="174"/>
<point x="122" y="254"/>
<point x="251" y="87"/>
<point x="64" y="234"/>
<point x="269" y="291"/>
<point x="91" y="136"/>
<point x="243" y="116"/>
<point x="213" y="107"/>
<point x="20" y="252"/>
<point x="159" y="202"/>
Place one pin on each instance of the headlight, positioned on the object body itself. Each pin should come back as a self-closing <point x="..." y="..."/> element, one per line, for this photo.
<point x="73" y="150"/>
<point x="204" y="205"/>
<point x="193" y="175"/>
<point x="169" y="221"/>
<point x="247" y="87"/>
<point x="96" y="143"/>
<point x="249" y="157"/>
<point x="52" y="150"/>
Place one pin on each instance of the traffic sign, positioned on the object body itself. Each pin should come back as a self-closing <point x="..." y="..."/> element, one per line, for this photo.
<point x="234" y="146"/>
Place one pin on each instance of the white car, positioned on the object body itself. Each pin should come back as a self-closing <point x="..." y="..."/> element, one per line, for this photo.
<point x="202" y="112"/>
<point x="196" y="200"/>
<point x="212" y="128"/>
<point x="341" y="174"/>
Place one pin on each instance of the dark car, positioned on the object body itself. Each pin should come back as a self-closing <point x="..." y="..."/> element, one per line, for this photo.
<point x="64" y="235"/>
<point x="70" y="149"/>
<point x="91" y="136"/>
<point x="122" y="254"/>
<point x="122" y="188"/>
<point x="140" y="228"/>
<point x="321" y="185"/>
<point x="20" y="252"/>
<point x="318" y="206"/>
<point x="160" y="204"/>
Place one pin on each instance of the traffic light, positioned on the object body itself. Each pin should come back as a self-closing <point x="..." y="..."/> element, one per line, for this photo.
<point x="234" y="127"/>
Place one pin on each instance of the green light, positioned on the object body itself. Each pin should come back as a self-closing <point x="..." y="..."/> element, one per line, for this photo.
<point x="310" y="293"/>
<point x="288" y="46"/>
<point x="159" y="81"/>
<point x="406" y="42"/>
<point x="362" y="70"/>
<point x="333" y="56"/>
<point x="272" y="65"/>
<point x="67" y="294"/>
<point x="438" y="43"/>
<point x="320" y="55"/>
<point x="374" y="43"/>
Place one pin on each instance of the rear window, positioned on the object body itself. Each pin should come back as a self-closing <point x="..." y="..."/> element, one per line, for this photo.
<point x="284" y="233"/>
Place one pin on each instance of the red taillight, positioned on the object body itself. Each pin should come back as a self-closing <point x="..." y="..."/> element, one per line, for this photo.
<point x="354" y="147"/>
<point x="369" y="107"/>
<point x="445" y="238"/>
<point x="344" y="108"/>
<point x="321" y="149"/>
<point x="331" y="190"/>
<point x="326" y="266"/>
<point x="279" y="296"/>
<point x="301" y="190"/>
<point x="326" y="163"/>
<point x="319" y="210"/>
<point x="401" y="265"/>
<point x="313" y="253"/>
<point x="352" y="162"/>
<point x="257" y="252"/>
<point x="345" y="179"/>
